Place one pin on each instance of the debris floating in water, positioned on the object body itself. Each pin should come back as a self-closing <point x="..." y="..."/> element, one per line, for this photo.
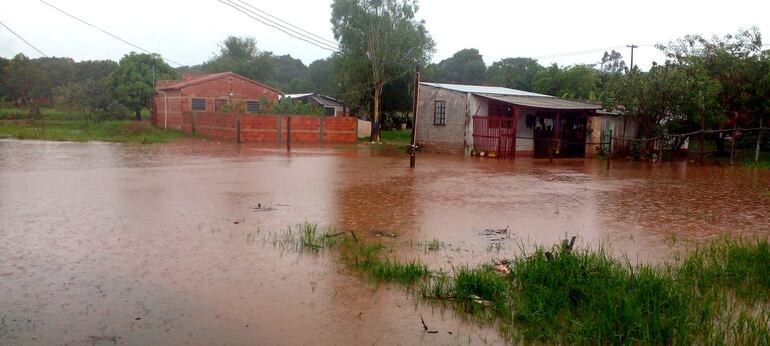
<point x="496" y="234"/>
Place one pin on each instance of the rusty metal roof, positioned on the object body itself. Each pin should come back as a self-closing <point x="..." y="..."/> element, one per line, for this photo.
<point x="476" y="89"/>
<point x="549" y="102"/>
<point x="207" y="78"/>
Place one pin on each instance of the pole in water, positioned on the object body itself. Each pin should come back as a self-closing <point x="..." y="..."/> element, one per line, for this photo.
<point x="413" y="145"/>
<point x="288" y="133"/>
<point x="609" y="151"/>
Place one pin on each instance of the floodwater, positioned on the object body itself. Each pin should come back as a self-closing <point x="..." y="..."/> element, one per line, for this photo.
<point x="160" y="244"/>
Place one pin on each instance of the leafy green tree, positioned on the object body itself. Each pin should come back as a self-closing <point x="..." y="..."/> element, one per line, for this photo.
<point x="464" y="67"/>
<point x="133" y="80"/>
<point x="94" y="70"/>
<point x="382" y="37"/>
<point x="23" y="82"/>
<point x="323" y="78"/>
<point x="516" y="73"/>
<point x="575" y="82"/>
<point x="241" y="55"/>
<point x="287" y="69"/>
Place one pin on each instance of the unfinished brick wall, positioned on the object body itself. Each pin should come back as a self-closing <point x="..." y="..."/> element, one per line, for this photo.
<point x="263" y="128"/>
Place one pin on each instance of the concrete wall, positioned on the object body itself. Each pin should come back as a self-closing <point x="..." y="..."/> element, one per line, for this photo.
<point x="444" y="138"/>
<point x="364" y="128"/>
<point x="621" y="126"/>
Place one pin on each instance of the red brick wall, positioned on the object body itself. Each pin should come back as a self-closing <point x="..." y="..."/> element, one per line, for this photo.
<point x="263" y="128"/>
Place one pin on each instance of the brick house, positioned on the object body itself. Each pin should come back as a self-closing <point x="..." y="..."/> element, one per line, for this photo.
<point x="219" y="92"/>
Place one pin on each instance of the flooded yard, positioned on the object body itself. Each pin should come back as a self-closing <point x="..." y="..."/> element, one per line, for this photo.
<point x="170" y="244"/>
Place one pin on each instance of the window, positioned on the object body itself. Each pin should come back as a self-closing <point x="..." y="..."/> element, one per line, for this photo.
<point x="439" y="113"/>
<point x="252" y="106"/>
<point x="220" y="105"/>
<point x="330" y="111"/>
<point x="198" y="104"/>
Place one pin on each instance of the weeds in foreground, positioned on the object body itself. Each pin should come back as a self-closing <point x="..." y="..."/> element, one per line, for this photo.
<point x="718" y="294"/>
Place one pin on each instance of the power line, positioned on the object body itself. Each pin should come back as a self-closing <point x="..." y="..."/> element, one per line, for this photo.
<point x="108" y="33"/>
<point x="370" y="88"/>
<point x="277" y="26"/>
<point x="22" y="38"/>
<point x="333" y="43"/>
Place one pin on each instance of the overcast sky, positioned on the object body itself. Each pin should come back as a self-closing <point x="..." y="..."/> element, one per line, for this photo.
<point x="189" y="31"/>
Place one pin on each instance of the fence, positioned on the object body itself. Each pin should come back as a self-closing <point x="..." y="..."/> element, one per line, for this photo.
<point x="262" y="128"/>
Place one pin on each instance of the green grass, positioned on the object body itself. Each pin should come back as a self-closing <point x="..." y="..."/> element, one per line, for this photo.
<point x="396" y="137"/>
<point x="717" y="294"/>
<point x="51" y="114"/>
<point x="81" y="131"/>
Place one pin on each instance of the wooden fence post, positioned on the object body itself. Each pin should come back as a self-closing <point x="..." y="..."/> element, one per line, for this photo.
<point x="609" y="151"/>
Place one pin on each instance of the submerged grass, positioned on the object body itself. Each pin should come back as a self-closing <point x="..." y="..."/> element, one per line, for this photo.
<point x="717" y="294"/>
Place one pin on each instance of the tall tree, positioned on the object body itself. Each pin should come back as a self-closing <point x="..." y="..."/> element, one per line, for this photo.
<point x="465" y="67"/>
<point x="612" y="63"/>
<point x="383" y="35"/>
<point x="576" y="82"/>
<point x="241" y="55"/>
<point x="23" y="82"/>
<point x="516" y="73"/>
<point x="133" y="80"/>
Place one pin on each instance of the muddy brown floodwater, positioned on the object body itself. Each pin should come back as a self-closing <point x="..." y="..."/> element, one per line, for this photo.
<point x="159" y="244"/>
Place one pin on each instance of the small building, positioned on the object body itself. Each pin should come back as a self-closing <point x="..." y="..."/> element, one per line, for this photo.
<point x="219" y="92"/>
<point x="501" y="122"/>
<point x="332" y="107"/>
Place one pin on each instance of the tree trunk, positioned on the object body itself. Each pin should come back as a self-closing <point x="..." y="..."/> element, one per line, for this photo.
<point x="376" y="113"/>
<point x="138" y="114"/>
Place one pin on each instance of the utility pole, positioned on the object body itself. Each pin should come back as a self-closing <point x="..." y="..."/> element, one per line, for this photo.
<point x="413" y="145"/>
<point x="632" y="46"/>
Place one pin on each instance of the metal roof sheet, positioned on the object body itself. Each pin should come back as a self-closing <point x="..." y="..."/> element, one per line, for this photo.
<point x="542" y="102"/>
<point x="479" y="89"/>
<point x="297" y="96"/>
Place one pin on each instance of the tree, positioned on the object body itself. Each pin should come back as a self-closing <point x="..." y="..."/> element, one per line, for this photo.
<point x="576" y="82"/>
<point x="516" y="73"/>
<point x="241" y="55"/>
<point x="94" y="69"/>
<point x="23" y="81"/>
<point x="385" y="37"/>
<point x="133" y="80"/>
<point x="612" y="63"/>
<point x="466" y="67"/>
<point x="287" y="70"/>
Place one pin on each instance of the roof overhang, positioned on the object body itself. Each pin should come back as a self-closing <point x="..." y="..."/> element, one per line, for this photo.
<point x="540" y="102"/>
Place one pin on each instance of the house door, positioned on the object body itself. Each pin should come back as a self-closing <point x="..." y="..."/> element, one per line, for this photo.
<point x="543" y="133"/>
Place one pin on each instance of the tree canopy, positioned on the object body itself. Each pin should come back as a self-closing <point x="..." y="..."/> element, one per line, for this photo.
<point x="382" y="37"/>
<point x="134" y="79"/>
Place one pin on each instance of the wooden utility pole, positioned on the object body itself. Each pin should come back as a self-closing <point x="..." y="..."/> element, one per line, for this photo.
<point x="632" y="46"/>
<point x="413" y="146"/>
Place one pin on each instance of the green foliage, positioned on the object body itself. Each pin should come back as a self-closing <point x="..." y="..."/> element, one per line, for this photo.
<point x="83" y="131"/>
<point x="515" y="73"/>
<point x="133" y="79"/>
<point x="464" y="67"/>
<point x="22" y="81"/>
<point x="380" y="37"/>
<point x="575" y="82"/>
<point x="241" y="55"/>
<point x="287" y="106"/>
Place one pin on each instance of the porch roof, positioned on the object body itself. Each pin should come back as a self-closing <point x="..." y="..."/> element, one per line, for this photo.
<point x="542" y="102"/>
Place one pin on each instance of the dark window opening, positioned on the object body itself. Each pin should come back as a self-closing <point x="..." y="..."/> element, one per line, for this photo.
<point x="220" y="105"/>
<point x="439" y="113"/>
<point x="330" y="111"/>
<point x="252" y="106"/>
<point x="198" y="104"/>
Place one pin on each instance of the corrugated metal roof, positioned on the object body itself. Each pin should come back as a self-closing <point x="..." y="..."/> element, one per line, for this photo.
<point x="297" y="96"/>
<point x="542" y="102"/>
<point x="479" y="89"/>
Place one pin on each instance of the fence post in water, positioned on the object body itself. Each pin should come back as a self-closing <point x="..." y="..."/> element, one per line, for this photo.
<point x="238" y="130"/>
<point x="759" y="138"/>
<point x="609" y="151"/>
<point x="288" y="133"/>
<point x="413" y="143"/>
<point x="732" y="147"/>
